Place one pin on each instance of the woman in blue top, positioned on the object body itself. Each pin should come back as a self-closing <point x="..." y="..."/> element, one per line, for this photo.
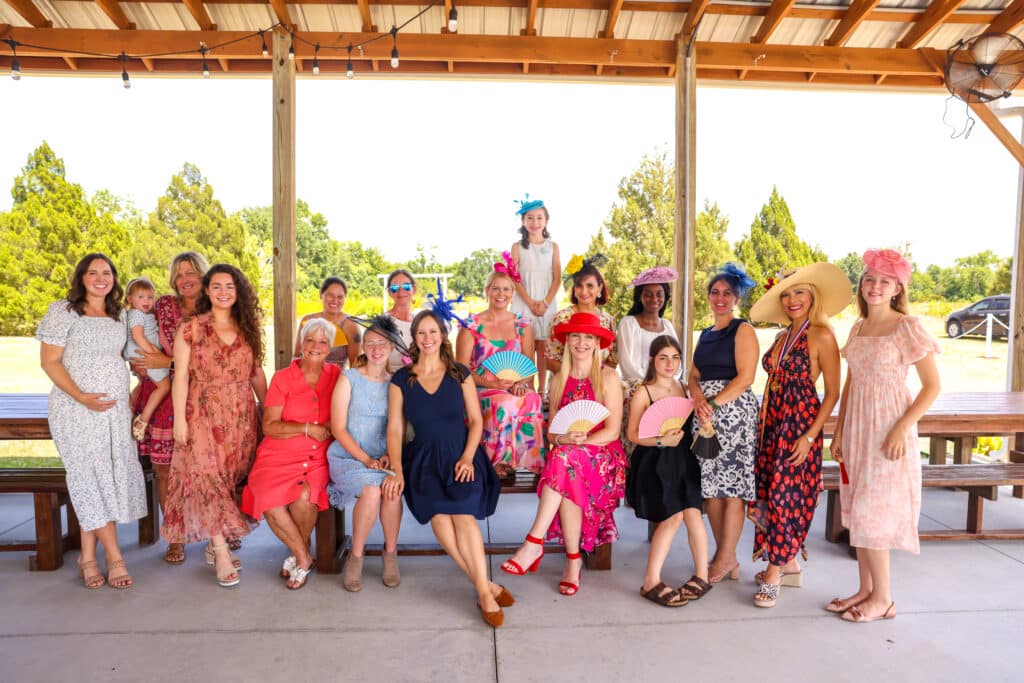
<point x="358" y="459"/>
<point x="724" y="364"/>
<point x="445" y="474"/>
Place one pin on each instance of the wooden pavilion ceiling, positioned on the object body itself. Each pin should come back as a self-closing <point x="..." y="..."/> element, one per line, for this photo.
<point x="867" y="43"/>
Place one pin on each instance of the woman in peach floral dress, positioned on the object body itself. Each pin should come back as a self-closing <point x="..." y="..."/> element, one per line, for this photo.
<point x="876" y="432"/>
<point x="218" y="356"/>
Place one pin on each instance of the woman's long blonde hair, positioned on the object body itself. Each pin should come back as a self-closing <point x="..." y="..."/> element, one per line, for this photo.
<point x="596" y="369"/>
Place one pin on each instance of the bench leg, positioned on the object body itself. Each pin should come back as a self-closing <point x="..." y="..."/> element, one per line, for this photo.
<point x="834" y="530"/>
<point x="975" y="510"/>
<point x="962" y="450"/>
<point x="330" y="536"/>
<point x="49" y="546"/>
<point x="149" y="526"/>
<point x="601" y="558"/>
<point x="936" y="451"/>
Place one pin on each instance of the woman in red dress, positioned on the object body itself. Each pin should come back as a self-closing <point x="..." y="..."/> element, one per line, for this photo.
<point x="288" y="482"/>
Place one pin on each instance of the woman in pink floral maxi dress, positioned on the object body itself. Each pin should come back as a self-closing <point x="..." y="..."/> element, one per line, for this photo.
<point x="876" y="432"/>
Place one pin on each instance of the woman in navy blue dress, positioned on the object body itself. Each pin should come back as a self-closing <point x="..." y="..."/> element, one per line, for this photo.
<point x="445" y="474"/>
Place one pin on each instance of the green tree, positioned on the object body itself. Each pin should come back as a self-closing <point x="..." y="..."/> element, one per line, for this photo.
<point x="471" y="273"/>
<point x="359" y="267"/>
<point x="641" y="228"/>
<point x="852" y="264"/>
<point x="1003" y="278"/>
<point x="52" y="224"/>
<point x="313" y="250"/>
<point x="772" y="244"/>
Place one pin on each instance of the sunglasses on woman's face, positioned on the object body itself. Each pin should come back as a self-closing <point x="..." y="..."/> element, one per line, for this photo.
<point x="405" y="287"/>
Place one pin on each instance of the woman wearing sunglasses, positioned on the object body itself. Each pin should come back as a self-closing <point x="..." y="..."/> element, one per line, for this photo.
<point x="402" y="289"/>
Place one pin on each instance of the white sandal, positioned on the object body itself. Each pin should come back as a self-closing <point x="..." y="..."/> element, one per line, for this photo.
<point x="222" y="578"/>
<point x="298" y="574"/>
<point x="287" y="567"/>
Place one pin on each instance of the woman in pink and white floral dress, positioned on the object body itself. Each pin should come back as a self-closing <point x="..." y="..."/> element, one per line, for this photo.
<point x="513" y="435"/>
<point x="876" y="431"/>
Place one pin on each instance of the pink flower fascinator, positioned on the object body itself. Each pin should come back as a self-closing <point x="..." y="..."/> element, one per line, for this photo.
<point x="888" y="262"/>
<point x="508" y="267"/>
<point x="655" y="276"/>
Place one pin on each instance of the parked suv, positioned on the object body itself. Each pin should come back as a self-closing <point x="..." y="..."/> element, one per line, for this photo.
<point x="964" y="320"/>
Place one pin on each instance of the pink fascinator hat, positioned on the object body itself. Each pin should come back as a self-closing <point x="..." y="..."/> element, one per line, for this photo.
<point x="655" y="276"/>
<point x="888" y="262"/>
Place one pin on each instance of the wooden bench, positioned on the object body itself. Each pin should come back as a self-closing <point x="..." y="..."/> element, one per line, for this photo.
<point x="49" y="490"/>
<point x="980" y="481"/>
<point x="333" y="543"/>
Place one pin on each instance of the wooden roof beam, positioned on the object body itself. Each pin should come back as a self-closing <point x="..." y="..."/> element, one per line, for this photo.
<point x="693" y="17"/>
<point x="1009" y="19"/>
<point x="113" y="10"/>
<point x="364" y="12"/>
<point x="531" y="19"/>
<point x="778" y="11"/>
<point x="936" y="13"/>
<point x="614" y="9"/>
<point x="857" y="12"/>
<point x="30" y="13"/>
<point x="281" y="11"/>
<point x="1009" y="140"/>
<point x="198" y="11"/>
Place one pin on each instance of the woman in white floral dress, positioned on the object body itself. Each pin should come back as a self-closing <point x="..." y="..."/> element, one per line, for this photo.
<point x="82" y="338"/>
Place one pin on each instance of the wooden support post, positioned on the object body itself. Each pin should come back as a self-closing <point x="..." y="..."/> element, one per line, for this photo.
<point x="1015" y="336"/>
<point x="601" y="558"/>
<point x="284" y="199"/>
<point x="49" y="542"/>
<point x="835" y="532"/>
<point x="975" y="512"/>
<point x="937" y="450"/>
<point x="686" y="188"/>
<point x="963" y="447"/>
<point x="330" y="539"/>
<point x="149" y="526"/>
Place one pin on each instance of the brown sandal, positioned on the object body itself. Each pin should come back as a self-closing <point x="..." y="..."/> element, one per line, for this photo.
<point x="175" y="553"/>
<point x="695" y="588"/>
<point x="120" y="581"/>
<point x="672" y="598"/>
<point x="90" y="574"/>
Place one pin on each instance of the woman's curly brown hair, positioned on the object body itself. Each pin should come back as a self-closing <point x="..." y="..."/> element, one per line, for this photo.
<point x="246" y="311"/>
<point x="76" y="293"/>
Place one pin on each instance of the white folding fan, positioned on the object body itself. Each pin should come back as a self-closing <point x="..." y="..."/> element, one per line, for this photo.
<point x="510" y="365"/>
<point x="578" y="416"/>
<point x="664" y="415"/>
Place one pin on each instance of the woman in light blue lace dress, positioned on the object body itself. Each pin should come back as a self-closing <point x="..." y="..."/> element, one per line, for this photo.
<point x="358" y="460"/>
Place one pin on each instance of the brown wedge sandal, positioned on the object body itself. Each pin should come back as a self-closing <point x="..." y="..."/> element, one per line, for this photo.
<point x="695" y="588"/>
<point x="669" y="598"/>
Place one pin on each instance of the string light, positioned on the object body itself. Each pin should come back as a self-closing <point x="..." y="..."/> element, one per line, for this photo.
<point x="124" y="71"/>
<point x="291" y="49"/>
<point x="453" y="19"/>
<point x="206" y="67"/>
<point x="263" y="45"/>
<point x="15" y="64"/>
<point x="349" y="72"/>
<point x="394" y="46"/>
<point x="316" y="60"/>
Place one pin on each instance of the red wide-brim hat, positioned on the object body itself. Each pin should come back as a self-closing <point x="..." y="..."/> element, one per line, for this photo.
<point x="584" y="323"/>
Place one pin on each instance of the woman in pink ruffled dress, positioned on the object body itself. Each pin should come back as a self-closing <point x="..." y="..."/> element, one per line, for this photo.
<point x="876" y="432"/>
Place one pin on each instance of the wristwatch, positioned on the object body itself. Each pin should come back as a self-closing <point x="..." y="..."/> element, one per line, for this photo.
<point x="810" y="439"/>
<point x="659" y="444"/>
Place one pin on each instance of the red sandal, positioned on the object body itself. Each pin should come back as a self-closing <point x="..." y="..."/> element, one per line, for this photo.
<point x="512" y="567"/>
<point x="567" y="587"/>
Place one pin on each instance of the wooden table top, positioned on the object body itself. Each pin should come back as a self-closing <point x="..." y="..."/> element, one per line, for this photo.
<point x="23" y="416"/>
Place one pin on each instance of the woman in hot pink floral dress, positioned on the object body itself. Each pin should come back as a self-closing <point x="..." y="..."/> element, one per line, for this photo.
<point x="584" y="476"/>
<point x="513" y="419"/>
<point x="876" y="431"/>
<point x="218" y="356"/>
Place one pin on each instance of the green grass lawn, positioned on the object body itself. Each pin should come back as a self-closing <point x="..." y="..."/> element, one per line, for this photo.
<point x="963" y="366"/>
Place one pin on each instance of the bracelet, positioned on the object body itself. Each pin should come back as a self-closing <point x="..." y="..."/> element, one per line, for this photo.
<point x="714" y="406"/>
<point x="307" y="430"/>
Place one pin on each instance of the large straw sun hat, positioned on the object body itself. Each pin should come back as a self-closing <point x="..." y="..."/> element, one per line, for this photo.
<point x="834" y="292"/>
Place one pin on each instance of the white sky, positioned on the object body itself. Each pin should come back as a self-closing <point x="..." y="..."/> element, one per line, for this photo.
<point x="394" y="162"/>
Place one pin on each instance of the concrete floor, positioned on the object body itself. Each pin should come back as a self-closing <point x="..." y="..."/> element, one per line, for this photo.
<point x="960" y="616"/>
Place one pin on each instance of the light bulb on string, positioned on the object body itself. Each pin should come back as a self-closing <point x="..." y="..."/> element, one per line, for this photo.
<point x="291" y="49"/>
<point x="15" y="64"/>
<point x="394" y="47"/>
<point x="453" y="19"/>
<point x="206" y="67"/>
<point x="349" y="71"/>
<point x="316" y="60"/>
<point x="124" y="72"/>
<point x="263" y="45"/>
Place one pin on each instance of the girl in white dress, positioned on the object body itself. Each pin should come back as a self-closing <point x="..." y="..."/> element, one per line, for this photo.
<point x="536" y="297"/>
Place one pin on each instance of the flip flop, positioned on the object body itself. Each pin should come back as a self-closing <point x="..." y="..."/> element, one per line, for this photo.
<point x="838" y="605"/>
<point x="855" y="616"/>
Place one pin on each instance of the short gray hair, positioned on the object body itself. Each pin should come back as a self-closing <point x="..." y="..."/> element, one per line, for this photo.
<point x="325" y="327"/>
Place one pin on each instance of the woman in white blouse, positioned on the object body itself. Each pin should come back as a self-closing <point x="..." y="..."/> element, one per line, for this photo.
<point x="644" y="321"/>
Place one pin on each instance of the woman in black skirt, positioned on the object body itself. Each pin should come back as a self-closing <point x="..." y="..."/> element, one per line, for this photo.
<point x="663" y="485"/>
